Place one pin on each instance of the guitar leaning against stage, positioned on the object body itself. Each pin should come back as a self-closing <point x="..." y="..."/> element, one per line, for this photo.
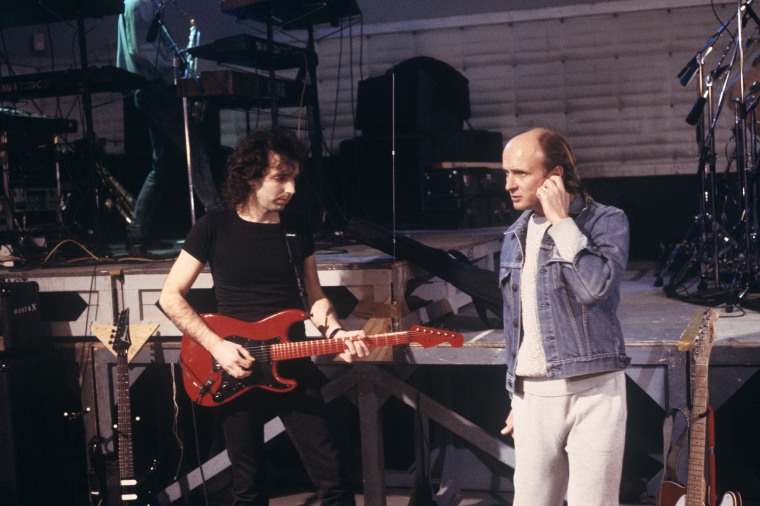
<point x="132" y="492"/>
<point x="671" y="493"/>
<point x="208" y="384"/>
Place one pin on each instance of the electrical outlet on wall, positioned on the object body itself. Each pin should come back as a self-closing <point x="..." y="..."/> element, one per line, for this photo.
<point x="38" y="42"/>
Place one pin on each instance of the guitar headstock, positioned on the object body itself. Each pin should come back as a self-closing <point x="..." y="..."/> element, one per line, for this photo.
<point x="121" y="338"/>
<point x="703" y="341"/>
<point x="696" y="325"/>
<point x="428" y="337"/>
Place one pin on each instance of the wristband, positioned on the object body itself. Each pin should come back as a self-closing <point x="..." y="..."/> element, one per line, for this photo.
<point x="332" y="334"/>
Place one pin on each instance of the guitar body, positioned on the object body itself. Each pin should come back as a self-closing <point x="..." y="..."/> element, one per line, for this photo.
<point x="142" y="493"/>
<point x="202" y="373"/>
<point x="266" y="340"/>
<point x="673" y="494"/>
<point x="731" y="499"/>
<point x="670" y="494"/>
<point x="695" y="493"/>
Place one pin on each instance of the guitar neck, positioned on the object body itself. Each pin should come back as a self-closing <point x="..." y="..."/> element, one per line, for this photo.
<point x="695" y="489"/>
<point x="126" y="466"/>
<point x="300" y="349"/>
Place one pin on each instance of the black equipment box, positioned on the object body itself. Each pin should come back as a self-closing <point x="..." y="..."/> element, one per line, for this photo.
<point x="19" y="316"/>
<point x="367" y="163"/>
<point x="467" y="212"/>
<point x="469" y="197"/>
<point x="464" y="182"/>
<point x="430" y="96"/>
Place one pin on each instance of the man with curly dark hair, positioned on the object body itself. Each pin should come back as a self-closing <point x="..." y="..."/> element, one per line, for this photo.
<point x="262" y="263"/>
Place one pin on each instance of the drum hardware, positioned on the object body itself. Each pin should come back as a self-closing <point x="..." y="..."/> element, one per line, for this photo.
<point x="120" y="199"/>
<point x="721" y="248"/>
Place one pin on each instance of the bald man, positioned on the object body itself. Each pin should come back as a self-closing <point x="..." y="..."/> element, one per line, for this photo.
<point x="560" y="270"/>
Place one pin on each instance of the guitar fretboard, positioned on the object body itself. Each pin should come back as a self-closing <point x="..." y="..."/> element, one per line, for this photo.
<point x="695" y="492"/>
<point x="300" y="349"/>
<point x="700" y="352"/>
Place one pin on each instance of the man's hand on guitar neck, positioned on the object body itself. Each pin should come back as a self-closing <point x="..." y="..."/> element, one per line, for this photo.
<point x="233" y="358"/>
<point x="356" y="345"/>
<point x="237" y="361"/>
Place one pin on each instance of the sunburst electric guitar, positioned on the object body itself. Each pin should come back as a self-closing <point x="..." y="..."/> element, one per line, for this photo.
<point x="695" y="492"/>
<point x="208" y="384"/>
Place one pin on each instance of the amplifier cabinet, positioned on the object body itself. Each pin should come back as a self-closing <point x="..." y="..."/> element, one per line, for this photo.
<point x="375" y="170"/>
<point x="19" y="316"/>
<point x="466" y="182"/>
<point x="42" y="458"/>
<point x="468" y="197"/>
<point x="467" y="212"/>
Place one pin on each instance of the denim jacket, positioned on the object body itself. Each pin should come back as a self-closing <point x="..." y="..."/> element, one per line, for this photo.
<point x="577" y="300"/>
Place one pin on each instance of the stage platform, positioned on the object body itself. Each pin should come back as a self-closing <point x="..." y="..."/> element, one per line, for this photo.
<point x="370" y="289"/>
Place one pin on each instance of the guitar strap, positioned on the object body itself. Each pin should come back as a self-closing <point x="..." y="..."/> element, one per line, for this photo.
<point x="296" y="260"/>
<point x="672" y="455"/>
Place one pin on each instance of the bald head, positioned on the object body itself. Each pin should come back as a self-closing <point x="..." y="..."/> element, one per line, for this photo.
<point x="549" y="148"/>
<point x="524" y="150"/>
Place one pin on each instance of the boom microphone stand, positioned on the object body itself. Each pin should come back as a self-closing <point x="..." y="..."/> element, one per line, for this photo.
<point x="716" y="247"/>
<point x="704" y="228"/>
<point x="183" y="67"/>
<point x="746" y="262"/>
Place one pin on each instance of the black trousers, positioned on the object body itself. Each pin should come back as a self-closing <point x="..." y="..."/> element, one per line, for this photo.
<point x="303" y="414"/>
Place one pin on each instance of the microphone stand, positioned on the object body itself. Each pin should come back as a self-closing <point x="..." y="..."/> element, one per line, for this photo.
<point x="709" y="198"/>
<point x="182" y="66"/>
<point x="740" y="283"/>
<point x="703" y="224"/>
<point x="706" y="220"/>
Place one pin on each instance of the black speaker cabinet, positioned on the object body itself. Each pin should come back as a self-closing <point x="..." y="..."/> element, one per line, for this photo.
<point x="429" y="96"/>
<point x="369" y="179"/>
<point x="370" y="173"/>
<point x="41" y="450"/>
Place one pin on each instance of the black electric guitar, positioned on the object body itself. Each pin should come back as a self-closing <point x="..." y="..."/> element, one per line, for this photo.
<point x="131" y="492"/>
<point x="208" y="384"/>
<point x="695" y="492"/>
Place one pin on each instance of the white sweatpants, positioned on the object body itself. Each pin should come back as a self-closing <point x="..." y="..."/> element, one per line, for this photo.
<point x="570" y="444"/>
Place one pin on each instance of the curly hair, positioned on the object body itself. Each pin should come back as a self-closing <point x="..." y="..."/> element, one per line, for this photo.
<point x="557" y="151"/>
<point x="250" y="160"/>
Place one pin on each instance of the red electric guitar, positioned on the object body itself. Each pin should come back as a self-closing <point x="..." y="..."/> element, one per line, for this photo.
<point x="208" y="384"/>
<point x="695" y="492"/>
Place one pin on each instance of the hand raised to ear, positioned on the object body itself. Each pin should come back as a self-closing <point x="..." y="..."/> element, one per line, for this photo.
<point x="554" y="198"/>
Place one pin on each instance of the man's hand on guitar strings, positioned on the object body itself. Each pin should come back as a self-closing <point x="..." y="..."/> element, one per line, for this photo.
<point x="356" y="344"/>
<point x="233" y="358"/>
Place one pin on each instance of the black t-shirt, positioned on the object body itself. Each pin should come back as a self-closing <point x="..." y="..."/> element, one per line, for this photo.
<point x="250" y="262"/>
